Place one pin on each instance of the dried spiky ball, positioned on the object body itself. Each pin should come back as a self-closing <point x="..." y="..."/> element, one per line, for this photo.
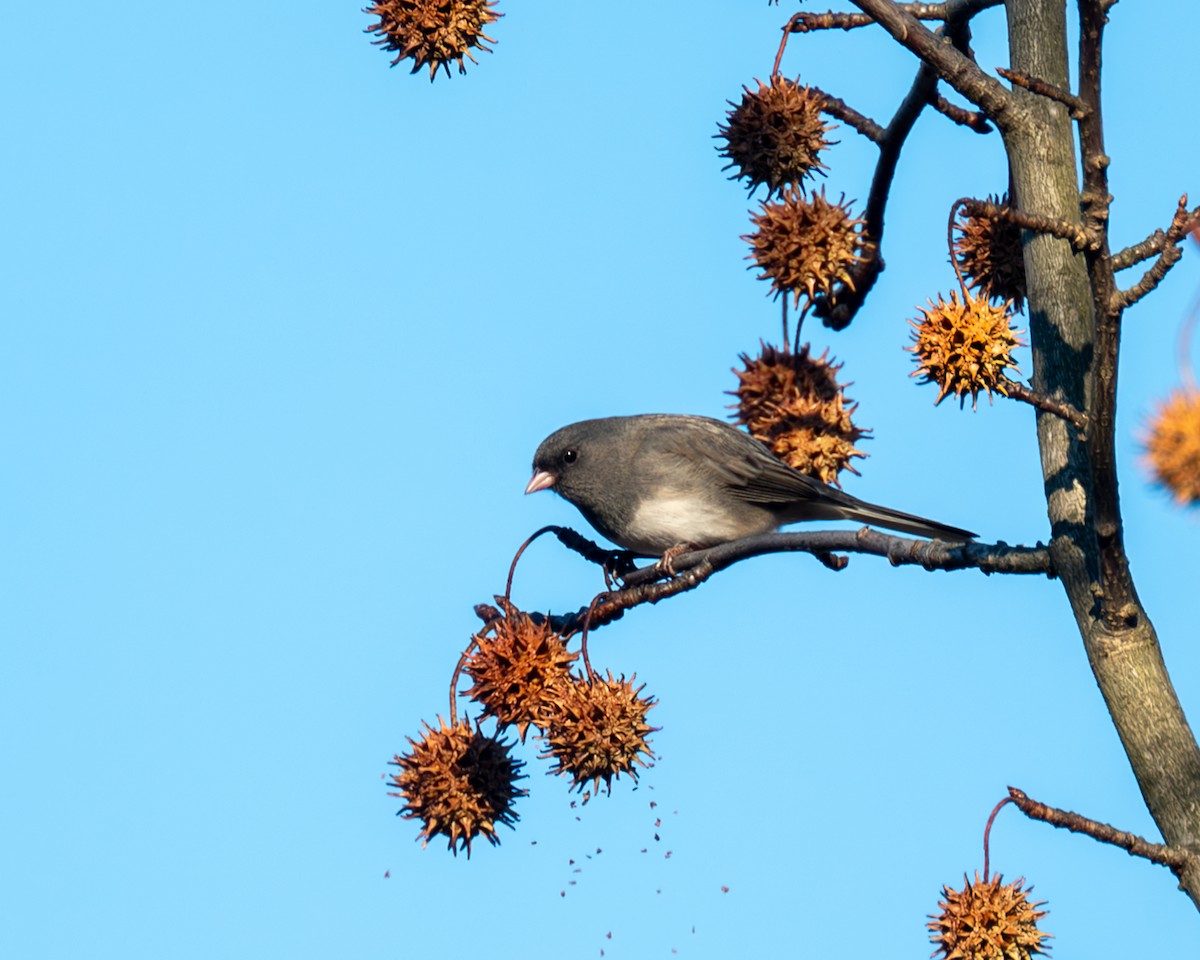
<point x="988" y="251"/>
<point x="806" y="246"/>
<point x="1172" y="445"/>
<point x="964" y="346"/>
<point x="519" y="669"/>
<point x="794" y="404"/>
<point x="599" y="730"/>
<point x="988" y="920"/>
<point x="775" y="135"/>
<point x="458" y="783"/>
<point x="433" y="32"/>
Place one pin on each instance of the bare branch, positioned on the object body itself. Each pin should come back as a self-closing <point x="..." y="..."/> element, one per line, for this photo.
<point x="1077" y="107"/>
<point x="1174" y="857"/>
<point x="646" y="583"/>
<point x="1073" y="233"/>
<point x="809" y="22"/>
<point x="972" y="119"/>
<point x="1060" y="408"/>
<point x="949" y="64"/>
<point x="840" y="110"/>
<point x="1166" y="245"/>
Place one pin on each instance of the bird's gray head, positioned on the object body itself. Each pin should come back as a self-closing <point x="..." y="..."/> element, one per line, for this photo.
<point x="575" y="460"/>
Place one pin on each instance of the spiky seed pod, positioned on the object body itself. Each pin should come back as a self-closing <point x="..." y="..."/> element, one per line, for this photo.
<point x="964" y="346"/>
<point x="599" y="730"/>
<point x="458" y="783"/>
<point x="433" y="32"/>
<point x="1172" y="445"/>
<point x="806" y="246"/>
<point x="775" y="135"/>
<point x="988" y="251"/>
<point x="794" y="404"/>
<point x="519" y="670"/>
<point x="988" y="920"/>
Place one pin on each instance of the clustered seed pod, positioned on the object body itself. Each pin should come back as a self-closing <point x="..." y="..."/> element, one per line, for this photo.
<point x="1172" y="446"/>
<point x="806" y="246"/>
<point x="775" y="135"/>
<point x="599" y="731"/>
<point x="987" y="920"/>
<point x="433" y="32"/>
<point x="988" y="251"/>
<point x="964" y="346"/>
<point x="519" y="669"/>
<point x="458" y="783"/>
<point x="794" y="404"/>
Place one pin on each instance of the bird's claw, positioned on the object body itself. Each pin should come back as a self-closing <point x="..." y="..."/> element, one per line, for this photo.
<point x="666" y="563"/>
<point x="617" y="566"/>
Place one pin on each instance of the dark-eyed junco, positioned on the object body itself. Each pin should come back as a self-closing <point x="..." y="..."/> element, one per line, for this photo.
<point x="656" y="481"/>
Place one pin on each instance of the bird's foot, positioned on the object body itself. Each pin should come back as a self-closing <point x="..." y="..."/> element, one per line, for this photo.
<point x="666" y="564"/>
<point x="617" y="566"/>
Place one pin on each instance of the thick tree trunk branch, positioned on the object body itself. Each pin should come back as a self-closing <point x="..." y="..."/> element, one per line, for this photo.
<point x="1074" y="357"/>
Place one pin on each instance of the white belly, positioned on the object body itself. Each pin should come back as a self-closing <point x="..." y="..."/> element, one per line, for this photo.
<point x="673" y="519"/>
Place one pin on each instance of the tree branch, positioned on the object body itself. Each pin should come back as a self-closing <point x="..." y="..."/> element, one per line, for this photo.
<point x="646" y="584"/>
<point x="951" y="65"/>
<point x="840" y="110"/>
<point x="809" y="22"/>
<point x="1166" y="245"/>
<point x="1077" y="107"/>
<point x="1016" y="390"/>
<point x="1160" y="853"/>
<point x="1073" y="233"/>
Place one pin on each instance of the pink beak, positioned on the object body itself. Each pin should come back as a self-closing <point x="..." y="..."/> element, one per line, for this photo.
<point x="540" y="481"/>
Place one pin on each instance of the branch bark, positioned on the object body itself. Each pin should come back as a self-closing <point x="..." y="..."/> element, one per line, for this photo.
<point x="1119" y="639"/>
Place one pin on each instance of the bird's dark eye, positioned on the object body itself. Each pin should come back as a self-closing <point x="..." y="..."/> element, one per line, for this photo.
<point x="570" y="456"/>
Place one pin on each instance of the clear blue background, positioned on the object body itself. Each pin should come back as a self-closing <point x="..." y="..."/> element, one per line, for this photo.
<point x="281" y="330"/>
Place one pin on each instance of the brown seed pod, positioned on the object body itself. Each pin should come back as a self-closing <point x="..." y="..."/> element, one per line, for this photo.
<point x="794" y="404"/>
<point x="1171" y="441"/>
<point x="964" y="346"/>
<point x="775" y="135"/>
<point x="806" y="246"/>
<point x="433" y="32"/>
<point x="458" y="783"/>
<point x="598" y="731"/>
<point x="988" y="920"/>
<point x="988" y="251"/>
<point x="519" y="670"/>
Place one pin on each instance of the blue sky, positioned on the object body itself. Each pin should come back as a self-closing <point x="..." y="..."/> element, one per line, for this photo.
<point x="282" y="329"/>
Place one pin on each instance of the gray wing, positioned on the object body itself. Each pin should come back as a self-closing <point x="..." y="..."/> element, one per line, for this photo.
<point x="735" y="460"/>
<point x="713" y="452"/>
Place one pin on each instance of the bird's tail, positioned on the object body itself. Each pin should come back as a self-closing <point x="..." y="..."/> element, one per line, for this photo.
<point x="901" y="522"/>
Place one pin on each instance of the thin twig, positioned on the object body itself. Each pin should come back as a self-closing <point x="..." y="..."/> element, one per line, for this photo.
<point x="972" y="119"/>
<point x="840" y="110"/>
<point x="1167" y="856"/>
<point x="645" y="584"/>
<point x="808" y="22"/>
<point x="1077" y="107"/>
<point x="1016" y="390"/>
<point x="1073" y="233"/>
<point x="1168" y="250"/>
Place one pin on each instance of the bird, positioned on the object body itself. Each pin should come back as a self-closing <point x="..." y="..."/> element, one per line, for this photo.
<point x="659" y="482"/>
